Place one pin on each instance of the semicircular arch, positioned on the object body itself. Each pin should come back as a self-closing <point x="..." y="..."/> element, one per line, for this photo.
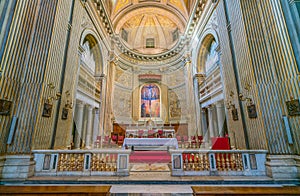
<point x="205" y="41"/>
<point x="88" y="35"/>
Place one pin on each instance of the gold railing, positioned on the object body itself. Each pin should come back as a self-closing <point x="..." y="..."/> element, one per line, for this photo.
<point x="70" y="162"/>
<point x="104" y="162"/>
<point x="82" y="162"/>
<point x="218" y="162"/>
<point x="224" y="162"/>
<point x="195" y="162"/>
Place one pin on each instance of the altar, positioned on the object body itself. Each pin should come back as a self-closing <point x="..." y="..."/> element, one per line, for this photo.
<point x="168" y="142"/>
<point x="143" y="132"/>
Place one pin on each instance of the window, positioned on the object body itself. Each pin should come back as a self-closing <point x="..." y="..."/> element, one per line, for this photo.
<point x="124" y="35"/>
<point x="212" y="55"/>
<point x="150" y="43"/>
<point x="175" y="35"/>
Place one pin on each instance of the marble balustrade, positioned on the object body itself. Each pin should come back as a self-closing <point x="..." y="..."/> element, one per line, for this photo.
<point x="190" y="162"/>
<point x="95" y="162"/>
<point x="185" y="162"/>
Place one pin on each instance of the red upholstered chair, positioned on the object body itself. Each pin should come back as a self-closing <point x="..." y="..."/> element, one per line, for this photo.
<point x="106" y="141"/>
<point x="97" y="142"/>
<point x="140" y="133"/>
<point x="120" y="140"/>
<point x="151" y="133"/>
<point x="185" y="140"/>
<point x="114" y="138"/>
<point x="200" y="140"/>
<point x="160" y="132"/>
<point x="178" y="137"/>
<point x="193" y="139"/>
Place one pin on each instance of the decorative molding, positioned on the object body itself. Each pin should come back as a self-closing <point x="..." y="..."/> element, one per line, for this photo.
<point x="104" y="16"/>
<point x="150" y="77"/>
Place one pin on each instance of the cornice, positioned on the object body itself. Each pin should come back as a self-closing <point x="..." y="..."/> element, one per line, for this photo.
<point x="176" y="49"/>
<point x="104" y="16"/>
<point x="197" y="13"/>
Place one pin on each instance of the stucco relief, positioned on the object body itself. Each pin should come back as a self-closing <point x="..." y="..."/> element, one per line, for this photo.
<point x="213" y="23"/>
<point x="123" y="78"/>
<point x="176" y="78"/>
<point x="177" y="103"/>
<point x="122" y="103"/>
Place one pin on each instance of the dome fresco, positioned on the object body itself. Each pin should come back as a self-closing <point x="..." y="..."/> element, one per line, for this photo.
<point x="149" y="26"/>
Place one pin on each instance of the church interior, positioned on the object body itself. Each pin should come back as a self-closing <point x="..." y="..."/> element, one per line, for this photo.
<point x="116" y="92"/>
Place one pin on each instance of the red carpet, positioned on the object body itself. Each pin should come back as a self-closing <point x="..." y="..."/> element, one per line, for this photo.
<point x="150" y="157"/>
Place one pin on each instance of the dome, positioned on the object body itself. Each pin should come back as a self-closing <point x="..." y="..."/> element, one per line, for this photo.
<point x="149" y="33"/>
<point x="149" y="27"/>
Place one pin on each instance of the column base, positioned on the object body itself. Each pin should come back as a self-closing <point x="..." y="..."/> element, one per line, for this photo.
<point x="16" y="166"/>
<point x="283" y="167"/>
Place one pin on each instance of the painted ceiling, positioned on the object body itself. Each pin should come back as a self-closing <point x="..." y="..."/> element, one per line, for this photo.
<point x="144" y="19"/>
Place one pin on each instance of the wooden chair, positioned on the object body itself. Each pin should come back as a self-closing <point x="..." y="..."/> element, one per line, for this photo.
<point x="160" y="132"/>
<point x="200" y="140"/>
<point x="193" y="141"/>
<point x="97" y="142"/>
<point x="178" y="137"/>
<point x="120" y="140"/>
<point x="140" y="133"/>
<point x="185" y="141"/>
<point x="106" y="141"/>
<point x="114" y="138"/>
<point x="151" y="133"/>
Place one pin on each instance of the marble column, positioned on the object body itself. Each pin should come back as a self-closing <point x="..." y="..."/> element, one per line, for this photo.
<point x="220" y="118"/>
<point x="210" y="123"/>
<point x="215" y="121"/>
<point x="78" y="123"/>
<point x="89" y="123"/>
<point x="96" y="125"/>
<point x="204" y="125"/>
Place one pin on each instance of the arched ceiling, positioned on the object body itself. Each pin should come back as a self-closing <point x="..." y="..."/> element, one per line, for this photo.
<point x="116" y="6"/>
<point x="160" y="20"/>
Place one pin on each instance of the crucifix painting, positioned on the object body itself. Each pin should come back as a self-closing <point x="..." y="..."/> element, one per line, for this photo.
<point x="150" y="101"/>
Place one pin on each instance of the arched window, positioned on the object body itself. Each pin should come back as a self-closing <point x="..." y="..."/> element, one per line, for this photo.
<point x="212" y="55"/>
<point x="150" y="101"/>
<point x="88" y="57"/>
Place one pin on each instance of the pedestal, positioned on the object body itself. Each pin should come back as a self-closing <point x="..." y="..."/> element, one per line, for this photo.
<point x="283" y="167"/>
<point x="17" y="166"/>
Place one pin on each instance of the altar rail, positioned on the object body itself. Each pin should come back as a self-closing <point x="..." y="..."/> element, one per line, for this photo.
<point x="218" y="162"/>
<point x="96" y="162"/>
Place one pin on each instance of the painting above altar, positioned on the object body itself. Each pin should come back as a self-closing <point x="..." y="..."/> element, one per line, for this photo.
<point x="150" y="101"/>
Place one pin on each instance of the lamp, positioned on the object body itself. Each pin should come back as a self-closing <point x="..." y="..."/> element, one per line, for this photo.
<point x="251" y="108"/>
<point x="234" y="112"/>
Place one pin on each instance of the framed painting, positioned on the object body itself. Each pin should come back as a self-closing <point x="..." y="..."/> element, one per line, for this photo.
<point x="5" y="107"/>
<point x="47" y="109"/>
